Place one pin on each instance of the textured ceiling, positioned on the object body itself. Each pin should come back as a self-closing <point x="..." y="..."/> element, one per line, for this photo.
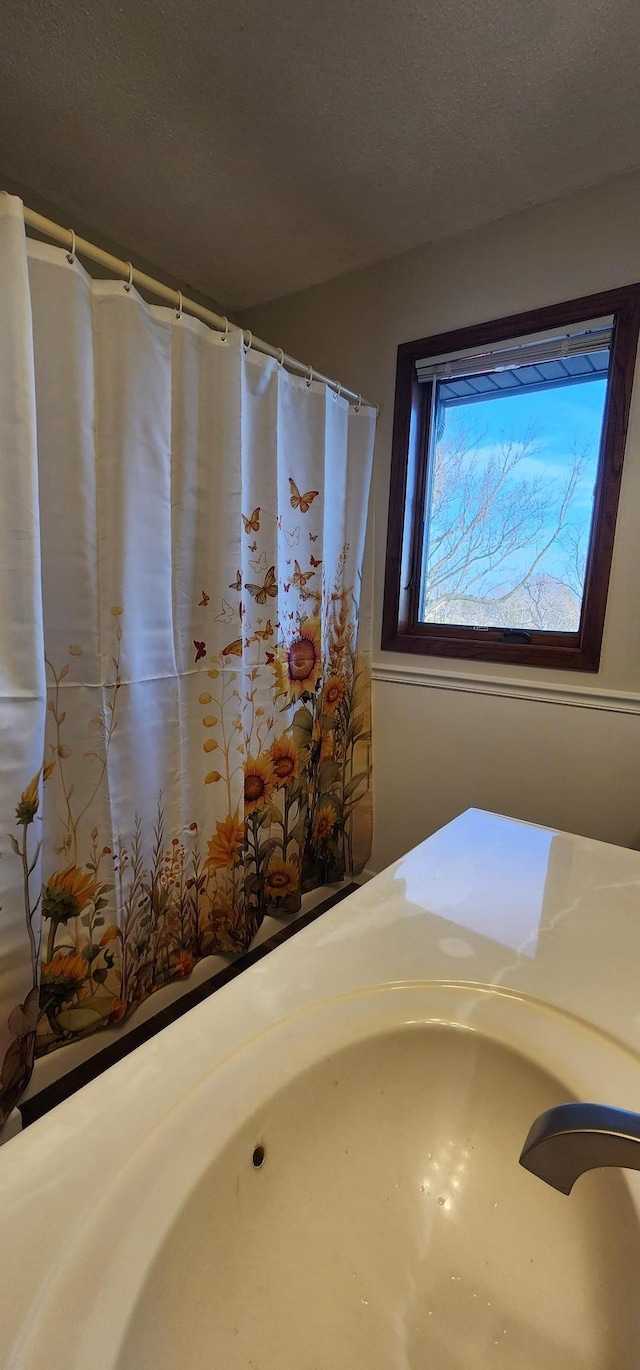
<point x="254" y="147"/>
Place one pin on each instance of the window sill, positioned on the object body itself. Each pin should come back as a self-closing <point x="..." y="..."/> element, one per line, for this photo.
<point x="576" y="696"/>
<point x="545" y="650"/>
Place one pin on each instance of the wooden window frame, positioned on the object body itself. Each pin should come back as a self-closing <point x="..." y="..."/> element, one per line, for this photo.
<point x="401" y="629"/>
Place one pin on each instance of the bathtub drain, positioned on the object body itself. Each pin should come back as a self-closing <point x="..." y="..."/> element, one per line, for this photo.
<point x="258" y="1156"/>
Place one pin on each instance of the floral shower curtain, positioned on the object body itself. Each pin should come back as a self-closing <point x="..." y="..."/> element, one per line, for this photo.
<point x="184" y="698"/>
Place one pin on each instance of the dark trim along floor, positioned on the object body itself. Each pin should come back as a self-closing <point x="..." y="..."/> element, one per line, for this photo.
<point x="47" y="1098"/>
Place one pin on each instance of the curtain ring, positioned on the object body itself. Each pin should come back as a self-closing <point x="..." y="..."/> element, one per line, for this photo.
<point x="71" y="256"/>
<point x="247" y="345"/>
<point x="226" y="329"/>
<point x="338" y="391"/>
<point x="179" y="309"/>
<point x="130" y="281"/>
<point x="309" y="378"/>
<point x="280" y="357"/>
<point x="358" y="404"/>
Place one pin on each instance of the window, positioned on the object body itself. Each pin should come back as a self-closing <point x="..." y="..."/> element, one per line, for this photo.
<point x="507" y="458"/>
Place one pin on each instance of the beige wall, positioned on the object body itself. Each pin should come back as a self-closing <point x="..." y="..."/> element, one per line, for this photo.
<point x="436" y="751"/>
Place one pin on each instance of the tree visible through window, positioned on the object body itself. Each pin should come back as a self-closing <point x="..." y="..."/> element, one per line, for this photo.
<point x="507" y="459"/>
<point x="510" y="506"/>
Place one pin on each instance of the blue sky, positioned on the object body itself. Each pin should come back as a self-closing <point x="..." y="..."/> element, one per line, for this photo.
<point x="565" y="418"/>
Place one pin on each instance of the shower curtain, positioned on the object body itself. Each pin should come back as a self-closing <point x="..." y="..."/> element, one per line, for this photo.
<point x="184" y="691"/>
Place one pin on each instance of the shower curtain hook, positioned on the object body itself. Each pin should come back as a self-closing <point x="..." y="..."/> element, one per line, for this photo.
<point x="130" y="281"/>
<point x="226" y="329"/>
<point x="247" y="345"/>
<point x="71" y="256"/>
<point x="309" y="378"/>
<point x="338" y="391"/>
<point x="179" y="309"/>
<point x="358" y="404"/>
<point x="280" y="357"/>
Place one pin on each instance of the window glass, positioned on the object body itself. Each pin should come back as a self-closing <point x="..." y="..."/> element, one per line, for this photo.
<point x="511" y="484"/>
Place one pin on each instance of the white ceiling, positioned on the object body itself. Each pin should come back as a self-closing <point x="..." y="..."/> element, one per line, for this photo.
<point x="255" y="147"/>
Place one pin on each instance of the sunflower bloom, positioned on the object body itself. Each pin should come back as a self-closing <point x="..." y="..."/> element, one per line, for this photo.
<point x="324" y="822"/>
<point x="333" y="693"/>
<point x="225" y="848"/>
<point x="67" y="893"/>
<point x="280" y="879"/>
<point x="259" y="781"/>
<point x="63" y="975"/>
<point x="299" y="661"/>
<point x="183" y="962"/>
<point x="284" y="758"/>
<point x="27" y="809"/>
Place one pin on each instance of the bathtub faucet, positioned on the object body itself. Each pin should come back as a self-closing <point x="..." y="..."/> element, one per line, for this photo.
<point x="566" y="1141"/>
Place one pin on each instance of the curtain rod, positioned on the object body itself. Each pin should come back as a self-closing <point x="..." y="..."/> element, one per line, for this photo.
<point x="67" y="238"/>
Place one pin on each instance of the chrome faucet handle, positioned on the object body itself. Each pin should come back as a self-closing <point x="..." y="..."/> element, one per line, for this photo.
<point x="567" y="1140"/>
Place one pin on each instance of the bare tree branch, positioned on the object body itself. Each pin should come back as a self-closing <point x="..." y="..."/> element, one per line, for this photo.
<point x="485" y="510"/>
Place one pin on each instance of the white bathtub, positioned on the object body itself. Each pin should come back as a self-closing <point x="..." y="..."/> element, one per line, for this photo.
<point x="318" y="1167"/>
